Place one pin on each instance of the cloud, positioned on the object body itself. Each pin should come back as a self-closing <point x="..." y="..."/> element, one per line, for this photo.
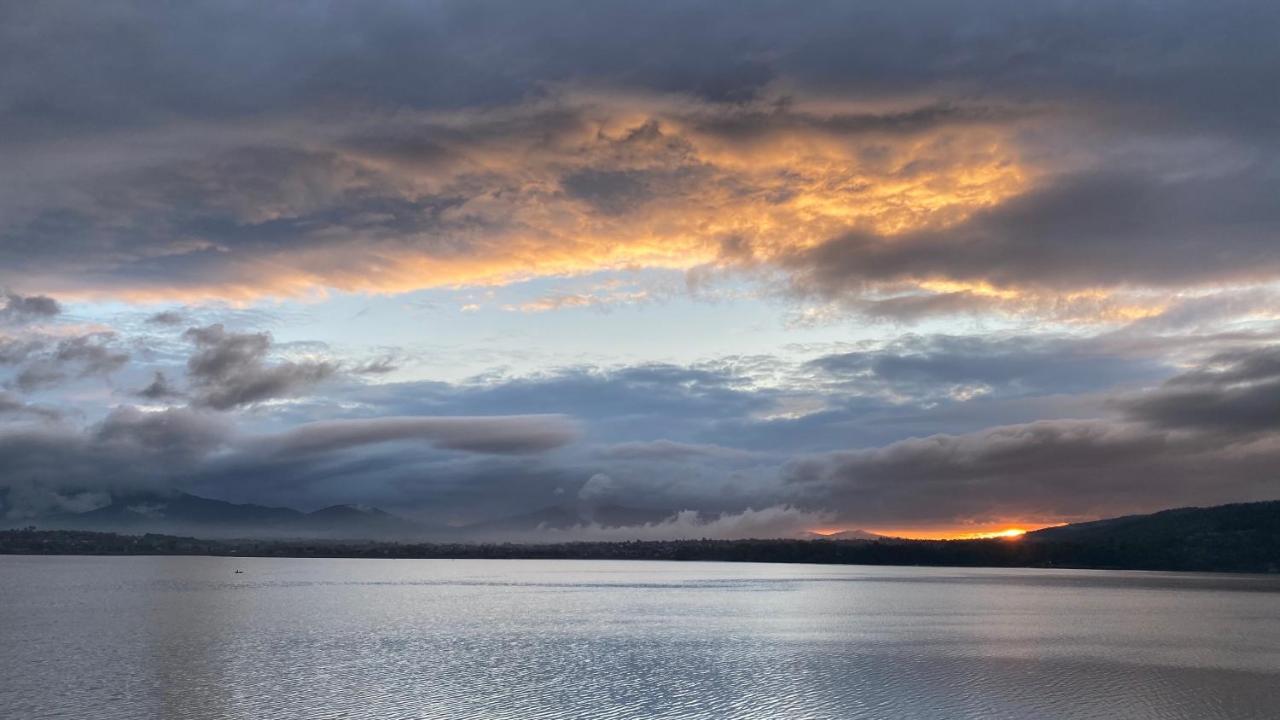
<point x="1093" y="230"/>
<point x="896" y="158"/>
<point x="93" y="353"/>
<point x="13" y="405"/>
<point x="710" y="440"/>
<point x="57" y="466"/>
<point x="20" y="309"/>
<point x="602" y="183"/>
<point x="1045" y="471"/>
<point x="929" y="367"/>
<point x="379" y="366"/>
<point x="167" y="317"/>
<point x="230" y="370"/>
<point x="1233" y="392"/>
<point x="130" y="450"/>
<point x="1089" y="172"/>
<point x="15" y="350"/>
<point x="768" y="522"/>
<point x="160" y="388"/>
<point x="597" y="487"/>
<point x="671" y="451"/>
<point x="45" y="362"/>
<point x="602" y="301"/>
<point x="521" y="434"/>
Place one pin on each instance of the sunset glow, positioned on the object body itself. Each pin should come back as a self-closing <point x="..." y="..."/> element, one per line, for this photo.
<point x="968" y="533"/>
<point x="792" y="333"/>
<point x="699" y="271"/>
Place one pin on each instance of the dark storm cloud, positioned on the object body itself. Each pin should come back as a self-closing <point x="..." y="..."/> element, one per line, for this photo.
<point x="230" y="369"/>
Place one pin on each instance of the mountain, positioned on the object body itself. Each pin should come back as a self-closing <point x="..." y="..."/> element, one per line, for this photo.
<point x="843" y="535"/>
<point x="186" y="514"/>
<point x="358" y="521"/>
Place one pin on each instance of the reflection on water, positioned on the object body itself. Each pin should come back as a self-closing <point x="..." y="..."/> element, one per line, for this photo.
<point x="188" y="638"/>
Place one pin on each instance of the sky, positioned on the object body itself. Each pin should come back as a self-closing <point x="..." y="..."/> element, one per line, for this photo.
<point x="924" y="268"/>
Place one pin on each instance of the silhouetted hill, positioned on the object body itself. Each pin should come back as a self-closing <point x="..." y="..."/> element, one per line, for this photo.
<point x="1177" y="525"/>
<point x="1243" y="536"/>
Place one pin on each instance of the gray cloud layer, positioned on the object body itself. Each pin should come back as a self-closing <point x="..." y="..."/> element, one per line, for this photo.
<point x="705" y="439"/>
<point x="1237" y="392"/>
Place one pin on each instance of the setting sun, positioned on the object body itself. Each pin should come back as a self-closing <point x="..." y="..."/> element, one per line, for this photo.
<point x="963" y="533"/>
<point x="1010" y="534"/>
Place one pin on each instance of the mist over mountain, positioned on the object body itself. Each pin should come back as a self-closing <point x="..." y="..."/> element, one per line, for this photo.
<point x="576" y="519"/>
<point x="184" y="513"/>
<point x="567" y="516"/>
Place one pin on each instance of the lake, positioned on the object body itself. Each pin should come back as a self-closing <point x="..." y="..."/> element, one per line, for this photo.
<point x="188" y="637"/>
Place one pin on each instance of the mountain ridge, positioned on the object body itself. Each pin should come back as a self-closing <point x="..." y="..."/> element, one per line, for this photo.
<point x="185" y="513"/>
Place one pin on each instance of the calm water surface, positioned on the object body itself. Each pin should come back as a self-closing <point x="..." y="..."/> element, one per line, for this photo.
<point x="188" y="638"/>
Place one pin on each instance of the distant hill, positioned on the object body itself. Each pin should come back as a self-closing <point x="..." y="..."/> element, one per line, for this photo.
<point x="186" y="514"/>
<point x="1240" y="538"/>
<point x="843" y="535"/>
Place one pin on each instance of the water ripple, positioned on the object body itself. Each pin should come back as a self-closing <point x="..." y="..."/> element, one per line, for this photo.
<point x="187" y="639"/>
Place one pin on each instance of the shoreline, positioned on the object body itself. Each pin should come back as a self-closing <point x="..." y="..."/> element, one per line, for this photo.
<point x="1027" y="553"/>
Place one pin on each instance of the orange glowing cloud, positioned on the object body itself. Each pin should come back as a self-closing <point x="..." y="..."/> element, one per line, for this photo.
<point x="588" y="183"/>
